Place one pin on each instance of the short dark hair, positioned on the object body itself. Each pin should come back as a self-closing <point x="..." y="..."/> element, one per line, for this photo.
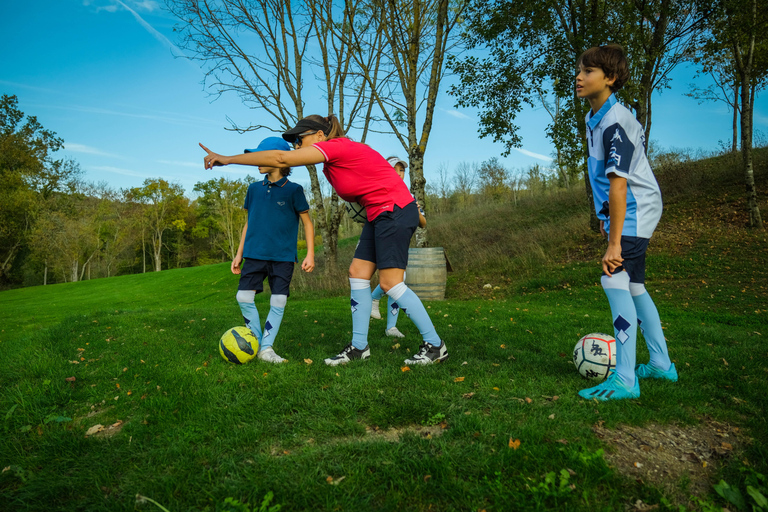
<point x="285" y="171"/>
<point x="611" y="59"/>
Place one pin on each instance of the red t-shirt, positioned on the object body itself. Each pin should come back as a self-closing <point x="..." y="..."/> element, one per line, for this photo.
<point x="360" y="174"/>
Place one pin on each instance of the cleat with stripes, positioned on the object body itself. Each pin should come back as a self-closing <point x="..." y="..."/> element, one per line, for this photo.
<point x="612" y="388"/>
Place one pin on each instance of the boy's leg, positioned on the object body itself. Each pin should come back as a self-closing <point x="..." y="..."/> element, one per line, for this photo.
<point x="624" y="318"/>
<point x="280" y="275"/>
<point x="250" y="313"/>
<point x="621" y="383"/>
<point x="251" y="283"/>
<point x="393" y="309"/>
<point x="660" y="366"/>
<point x="376" y="296"/>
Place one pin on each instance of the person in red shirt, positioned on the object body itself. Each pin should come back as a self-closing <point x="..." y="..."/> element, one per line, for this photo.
<point x="360" y="174"/>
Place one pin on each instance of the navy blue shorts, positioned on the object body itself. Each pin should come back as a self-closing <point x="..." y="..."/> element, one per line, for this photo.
<point x="254" y="272"/>
<point x="633" y="251"/>
<point x="385" y="241"/>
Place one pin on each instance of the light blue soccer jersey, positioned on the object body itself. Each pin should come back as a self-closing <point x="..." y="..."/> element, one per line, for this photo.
<point x="616" y="143"/>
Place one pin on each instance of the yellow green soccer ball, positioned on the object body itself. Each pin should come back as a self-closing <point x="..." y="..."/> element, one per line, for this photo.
<point x="238" y="345"/>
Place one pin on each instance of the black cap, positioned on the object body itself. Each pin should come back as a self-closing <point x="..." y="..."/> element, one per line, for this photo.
<point x="305" y="125"/>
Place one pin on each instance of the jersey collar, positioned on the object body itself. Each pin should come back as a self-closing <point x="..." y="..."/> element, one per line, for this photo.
<point x="594" y="119"/>
<point x="279" y="183"/>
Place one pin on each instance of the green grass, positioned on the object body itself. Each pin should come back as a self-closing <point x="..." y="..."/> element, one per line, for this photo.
<point x="194" y="431"/>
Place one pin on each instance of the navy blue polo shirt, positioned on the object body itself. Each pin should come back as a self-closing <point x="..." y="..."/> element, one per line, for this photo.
<point x="273" y="220"/>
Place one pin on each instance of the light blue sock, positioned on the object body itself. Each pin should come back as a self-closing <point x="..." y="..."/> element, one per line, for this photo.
<point x="377" y="293"/>
<point x="624" y="324"/>
<point x="360" y="300"/>
<point x="411" y="305"/>
<point x="250" y="313"/>
<point x="274" y="319"/>
<point x="650" y="325"/>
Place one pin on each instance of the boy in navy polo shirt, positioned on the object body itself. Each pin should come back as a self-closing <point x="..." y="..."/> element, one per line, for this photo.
<point x="268" y="246"/>
<point x="628" y="204"/>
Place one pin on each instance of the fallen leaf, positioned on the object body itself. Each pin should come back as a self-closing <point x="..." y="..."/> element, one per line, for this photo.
<point x="562" y="441"/>
<point x="70" y="379"/>
<point x="528" y="400"/>
<point x="551" y="416"/>
<point x="395" y="346"/>
<point x="335" y="481"/>
<point x="125" y="369"/>
<point x="495" y="389"/>
<point x="117" y="424"/>
<point x="81" y="350"/>
<point x="308" y="361"/>
<point x="725" y="362"/>
<point x="638" y="465"/>
<point x="514" y="443"/>
<point x="727" y="446"/>
<point x="467" y="395"/>
<point x="94" y="429"/>
<point x="405" y="369"/>
<point x="458" y="379"/>
<point x="502" y="346"/>
<point x="427" y="477"/>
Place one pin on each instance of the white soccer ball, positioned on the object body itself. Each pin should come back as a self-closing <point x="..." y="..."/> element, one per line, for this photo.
<point x="356" y="212"/>
<point x="595" y="355"/>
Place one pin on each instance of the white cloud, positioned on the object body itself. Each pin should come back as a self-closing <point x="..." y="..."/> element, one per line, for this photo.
<point x="196" y="165"/>
<point x="82" y="148"/>
<point x="456" y="113"/>
<point x="149" y="5"/>
<point x="531" y="154"/>
<point x="117" y="170"/>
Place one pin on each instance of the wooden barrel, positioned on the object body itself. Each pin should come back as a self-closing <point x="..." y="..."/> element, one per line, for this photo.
<point x="426" y="272"/>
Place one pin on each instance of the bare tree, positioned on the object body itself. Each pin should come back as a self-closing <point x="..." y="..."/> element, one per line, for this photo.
<point x="263" y="51"/>
<point x="464" y="181"/>
<point x="418" y="36"/>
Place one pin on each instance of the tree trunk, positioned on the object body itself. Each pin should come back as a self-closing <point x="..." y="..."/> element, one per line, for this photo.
<point x="45" y="273"/>
<point x="735" y="107"/>
<point x="755" y="219"/>
<point x="744" y="63"/>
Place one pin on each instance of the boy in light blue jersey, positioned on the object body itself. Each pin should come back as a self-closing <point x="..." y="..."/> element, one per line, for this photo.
<point x="628" y="203"/>
<point x="268" y="247"/>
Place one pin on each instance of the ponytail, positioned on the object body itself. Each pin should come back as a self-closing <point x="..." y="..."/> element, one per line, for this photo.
<point x="334" y="130"/>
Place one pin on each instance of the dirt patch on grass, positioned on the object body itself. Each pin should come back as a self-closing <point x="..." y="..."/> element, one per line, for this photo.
<point x="374" y="434"/>
<point x="678" y="460"/>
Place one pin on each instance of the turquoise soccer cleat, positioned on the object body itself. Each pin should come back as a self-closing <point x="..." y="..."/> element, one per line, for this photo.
<point x="612" y="388"/>
<point x="646" y="371"/>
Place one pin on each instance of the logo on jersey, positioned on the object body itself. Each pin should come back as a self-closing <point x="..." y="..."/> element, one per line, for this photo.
<point x="395" y="309"/>
<point x="616" y="136"/>
<point x="615" y="158"/>
<point x="622" y="326"/>
<point x="267" y="328"/>
<point x="281" y="203"/>
<point x="354" y="304"/>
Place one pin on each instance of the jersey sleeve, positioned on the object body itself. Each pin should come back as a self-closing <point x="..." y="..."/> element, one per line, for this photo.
<point x="619" y="151"/>
<point x="300" y="204"/>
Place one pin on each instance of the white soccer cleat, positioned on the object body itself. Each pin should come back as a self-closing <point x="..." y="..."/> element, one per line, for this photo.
<point x="375" y="310"/>
<point x="268" y="354"/>
<point x="394" y="332"/>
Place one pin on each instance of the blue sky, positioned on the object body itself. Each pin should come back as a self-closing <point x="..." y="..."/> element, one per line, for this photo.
<point x="104" y="75"/>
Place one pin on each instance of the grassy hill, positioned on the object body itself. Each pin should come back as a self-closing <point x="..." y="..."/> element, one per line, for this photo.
<point x="498" y="427"/>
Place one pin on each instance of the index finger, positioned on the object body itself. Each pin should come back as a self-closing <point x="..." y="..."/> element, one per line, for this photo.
<point x="205" y="148"/>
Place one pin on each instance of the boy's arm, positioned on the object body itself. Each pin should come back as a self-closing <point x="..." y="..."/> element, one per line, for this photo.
<point x="239" y="256"/>
<point x="308" y="265"/>
<point x="617" y="207"/>
<point x="422" y="218"/>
